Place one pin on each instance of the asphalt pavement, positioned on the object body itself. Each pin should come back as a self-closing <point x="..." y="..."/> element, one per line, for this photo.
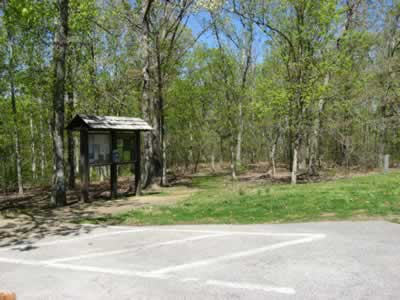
<point x="326" y="260"/>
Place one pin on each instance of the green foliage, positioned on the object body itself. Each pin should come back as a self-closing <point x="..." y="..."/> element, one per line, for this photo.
<point x="327" y="74"/>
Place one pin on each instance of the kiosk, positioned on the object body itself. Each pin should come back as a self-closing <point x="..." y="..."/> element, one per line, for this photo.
<point x="108" y="141"/>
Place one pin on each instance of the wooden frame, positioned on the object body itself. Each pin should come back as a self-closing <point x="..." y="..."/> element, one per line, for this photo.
<point x="85" y="165"/>
<point x="82" y="123"/>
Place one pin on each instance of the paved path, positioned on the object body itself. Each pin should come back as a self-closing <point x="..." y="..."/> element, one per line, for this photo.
<point x="329" y="260"/>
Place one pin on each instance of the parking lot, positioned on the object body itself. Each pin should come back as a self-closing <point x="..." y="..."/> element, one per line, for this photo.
<point x="330" y="260"/>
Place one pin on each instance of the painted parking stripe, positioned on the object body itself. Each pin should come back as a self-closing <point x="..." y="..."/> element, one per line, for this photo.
<point x="88" y="236"/>
<point x="252" y="287"/>
<point x="236" y="255"/>
<point x="163" y="273"/>
<point x="255" y="233"/>
<point x="61" y="266"/>
<point x="122" y="272"/>
<point x="132" y="249"/>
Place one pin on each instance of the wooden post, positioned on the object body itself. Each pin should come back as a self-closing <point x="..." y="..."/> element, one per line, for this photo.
<point x="84" y="165"/>
<point x="386" y="163"/>
<point x="113" y="168"/>
<point x="138" y="184"/>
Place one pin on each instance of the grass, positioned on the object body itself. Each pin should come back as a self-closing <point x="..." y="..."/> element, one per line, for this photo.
<point x="220" y="201"/>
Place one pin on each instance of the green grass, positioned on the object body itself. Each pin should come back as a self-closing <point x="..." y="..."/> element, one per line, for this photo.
<point x="220" y="201"/>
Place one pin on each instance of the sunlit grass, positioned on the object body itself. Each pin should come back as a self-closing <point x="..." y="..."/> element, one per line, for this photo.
<point x="221" y="201"/>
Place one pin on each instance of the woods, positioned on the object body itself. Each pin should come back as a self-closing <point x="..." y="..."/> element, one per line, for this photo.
<point x="304" y="85"/>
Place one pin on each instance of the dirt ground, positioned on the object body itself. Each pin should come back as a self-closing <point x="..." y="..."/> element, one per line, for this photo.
<point x="31" y="218"/>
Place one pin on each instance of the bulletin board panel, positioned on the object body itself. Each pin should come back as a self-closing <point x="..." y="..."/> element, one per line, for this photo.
<point x="101" y="153"/>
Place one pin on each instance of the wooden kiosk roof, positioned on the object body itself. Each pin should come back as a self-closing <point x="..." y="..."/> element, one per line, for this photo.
<point x="92" y="122"/>
<point x="86" y="124"/>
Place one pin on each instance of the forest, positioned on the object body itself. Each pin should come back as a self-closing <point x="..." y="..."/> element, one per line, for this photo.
<point x="300" y="84"/>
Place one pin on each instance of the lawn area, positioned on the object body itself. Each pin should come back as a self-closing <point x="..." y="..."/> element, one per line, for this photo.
<point x="220" y="201"/>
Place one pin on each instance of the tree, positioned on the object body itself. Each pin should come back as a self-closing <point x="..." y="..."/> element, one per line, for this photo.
<point x="299" y="30"/>
<point x="11" y="45"/>
<point x="59" y="58"/>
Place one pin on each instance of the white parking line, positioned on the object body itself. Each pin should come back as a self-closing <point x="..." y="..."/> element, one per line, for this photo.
<point x="163" y="273"/>
<point x="256" y="233"/>
<point x="236" y="255"/>
<point x="79" y="238"/>
<point x="122" y="272"/>
<point x="111" y="271"/>
<point x="253" y="287"/>
<point x="132" y="249"/>
<point x="171" y="229"/>
<point x="189" y="279"/>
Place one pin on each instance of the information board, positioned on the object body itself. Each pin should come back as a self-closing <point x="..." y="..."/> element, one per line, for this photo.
<point x="99" y="148"/>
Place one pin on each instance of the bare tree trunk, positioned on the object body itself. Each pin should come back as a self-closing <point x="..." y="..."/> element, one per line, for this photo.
<point x="213" y="161"/>
<point x="33" y="148"/>
<point x="160" y="119"/>
<point x="93" y="70"/>
<point x="239" y="136"/>
<point x="70" y="139"/>
<point x="164" y="180"/>
<point x="275" y="139"/>
<point x="314" y="149"/>
<point x="294" y="165"/>
<point x="247" y="46"/>
<point x="191" y="143"/>
<point x="4" y="168"/>
<point x="42" y="144"/>
<point x="347" y="150"/>
<point x="233" y="163"/>
<point x="196" y="162"/>
<point x="60" y="50"/>
<point x="16" y="140"/>
<point x="273" y="150"/>
<point x="147" y="104"/>
<point x="314" y="162"/>
<point x="11" y="77"/>
<point x="221" y="150"/>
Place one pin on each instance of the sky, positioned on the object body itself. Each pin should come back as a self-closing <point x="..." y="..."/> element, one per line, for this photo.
<point x="199" y="21"/>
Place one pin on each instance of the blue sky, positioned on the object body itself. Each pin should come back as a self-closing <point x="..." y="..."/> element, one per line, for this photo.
<point x="199" y="21"/>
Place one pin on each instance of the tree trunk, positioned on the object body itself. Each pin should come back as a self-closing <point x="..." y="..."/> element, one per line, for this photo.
<point x="233" y="163"/>
<point x="196" y="162"/>
<point x="11" y="78"/>
<point x="42" y="143"/>
<point x="275" y="140"/>
<point x="18" y="160"/>
<point x="191" y="158"/>
<point x="164" y="180"/>
<point x="239" y="136"/>
<point x="213" y="161"/>
<point x="314" y="162"/>
<point x="160" y="119"/>
<point x="273" y="150"/>
<point x="221" y="150"/>
<point x="347" y="150"/>
<point x="70" y="141"/>
<point x="4" y="168"/>
<point x="294" y="165"/>
<point x="59" y="56"/>
<point x="246" y="64"/>
<point x="33" y="148"/>
<point x="147" y="104"/>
